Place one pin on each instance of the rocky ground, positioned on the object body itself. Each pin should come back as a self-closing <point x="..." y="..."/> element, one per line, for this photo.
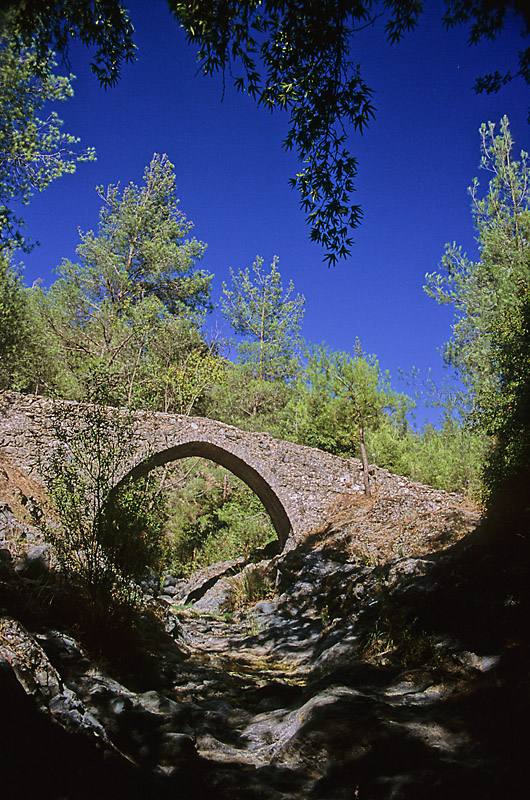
<point x="383" y="656"/>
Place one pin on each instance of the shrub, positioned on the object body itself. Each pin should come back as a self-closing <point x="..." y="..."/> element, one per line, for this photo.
<point x="212" y="516"/>
<point x="100" y="549"/>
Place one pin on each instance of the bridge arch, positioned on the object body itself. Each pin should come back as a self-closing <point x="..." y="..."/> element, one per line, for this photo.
<point x="241" y="469"/>
<point x="298" y="485"/>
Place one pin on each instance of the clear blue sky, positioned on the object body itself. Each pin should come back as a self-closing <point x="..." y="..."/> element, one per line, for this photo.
<point x="416" y="160"/>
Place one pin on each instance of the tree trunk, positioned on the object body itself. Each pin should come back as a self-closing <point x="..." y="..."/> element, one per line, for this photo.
<point x="366" y="476"/>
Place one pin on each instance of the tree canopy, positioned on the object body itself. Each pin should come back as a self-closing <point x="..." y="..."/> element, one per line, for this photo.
<point x="267" y="317"/>
<point x="490" y="346"/>
<point x="142" y="248"/>
<point x="484" y="291"/>
<point x="33" y="151"/>
<point x="130" y="309"/>
<point x="49" y="26"/>
<point x="344" y="396"/>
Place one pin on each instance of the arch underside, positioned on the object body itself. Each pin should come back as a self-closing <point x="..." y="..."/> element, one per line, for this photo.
<point x="236" y="465"/>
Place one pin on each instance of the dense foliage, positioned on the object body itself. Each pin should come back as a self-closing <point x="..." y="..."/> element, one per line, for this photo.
<point x="482" y="292"/>
<point x="130" y="310"/>
<point x="489" y="347"/>
<point x="12" y="310"/>
<point x="507" y="473"/>
<point x="100" y="549"/>
<point x="212" y="516"/>
<point x="343" y="397"/>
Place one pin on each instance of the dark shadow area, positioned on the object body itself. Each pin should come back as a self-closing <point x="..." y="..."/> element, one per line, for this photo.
<point x="38" y="758"/>
<point x="449" y="730"/>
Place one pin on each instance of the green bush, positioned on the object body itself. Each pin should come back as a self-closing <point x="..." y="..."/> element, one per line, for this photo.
<point x="449" y="458"/>
<point x="212" y="516"/>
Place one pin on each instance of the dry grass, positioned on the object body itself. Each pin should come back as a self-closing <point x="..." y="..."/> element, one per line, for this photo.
<point x="16" y="488"/>
<point x="248" y="588"/>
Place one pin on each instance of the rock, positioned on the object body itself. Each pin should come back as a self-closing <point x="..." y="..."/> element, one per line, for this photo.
<point x="42" y="682"/>
<point x="34" y="509"/>
<point x="191" y="590"/>
<point x="407" y="567"/>
<point x="283" y="700"/>
<point x="35" y="562"/>
<point x="474" y="661"/>
<point x="176" y="749"/>
<point x="172" y="626"/>
<point x="216" y="598"/>
<point x="265" y="608"/>
<point x="157" y="703"/>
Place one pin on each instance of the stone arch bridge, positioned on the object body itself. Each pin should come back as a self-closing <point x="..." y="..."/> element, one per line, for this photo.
<point x="297" y="485"/>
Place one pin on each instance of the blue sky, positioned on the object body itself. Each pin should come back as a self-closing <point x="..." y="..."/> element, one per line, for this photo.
<point x="416" y="160"/>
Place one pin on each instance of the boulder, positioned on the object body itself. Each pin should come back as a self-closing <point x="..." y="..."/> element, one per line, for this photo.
<point x="34" y="562"/>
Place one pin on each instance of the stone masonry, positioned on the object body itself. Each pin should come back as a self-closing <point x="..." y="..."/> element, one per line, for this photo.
<point x="299" y="486"/>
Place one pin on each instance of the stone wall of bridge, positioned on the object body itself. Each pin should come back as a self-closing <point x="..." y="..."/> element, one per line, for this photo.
<point x="297" y="485"/>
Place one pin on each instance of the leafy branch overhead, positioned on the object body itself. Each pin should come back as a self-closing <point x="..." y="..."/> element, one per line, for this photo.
<point x="49" y="26"/>
<point x="33" y="151"/>
<point x="296" y="56"/>
<point x="291" y="55"/>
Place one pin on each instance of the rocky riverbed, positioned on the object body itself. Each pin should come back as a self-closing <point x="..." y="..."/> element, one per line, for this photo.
<point x="367" y="660"/>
